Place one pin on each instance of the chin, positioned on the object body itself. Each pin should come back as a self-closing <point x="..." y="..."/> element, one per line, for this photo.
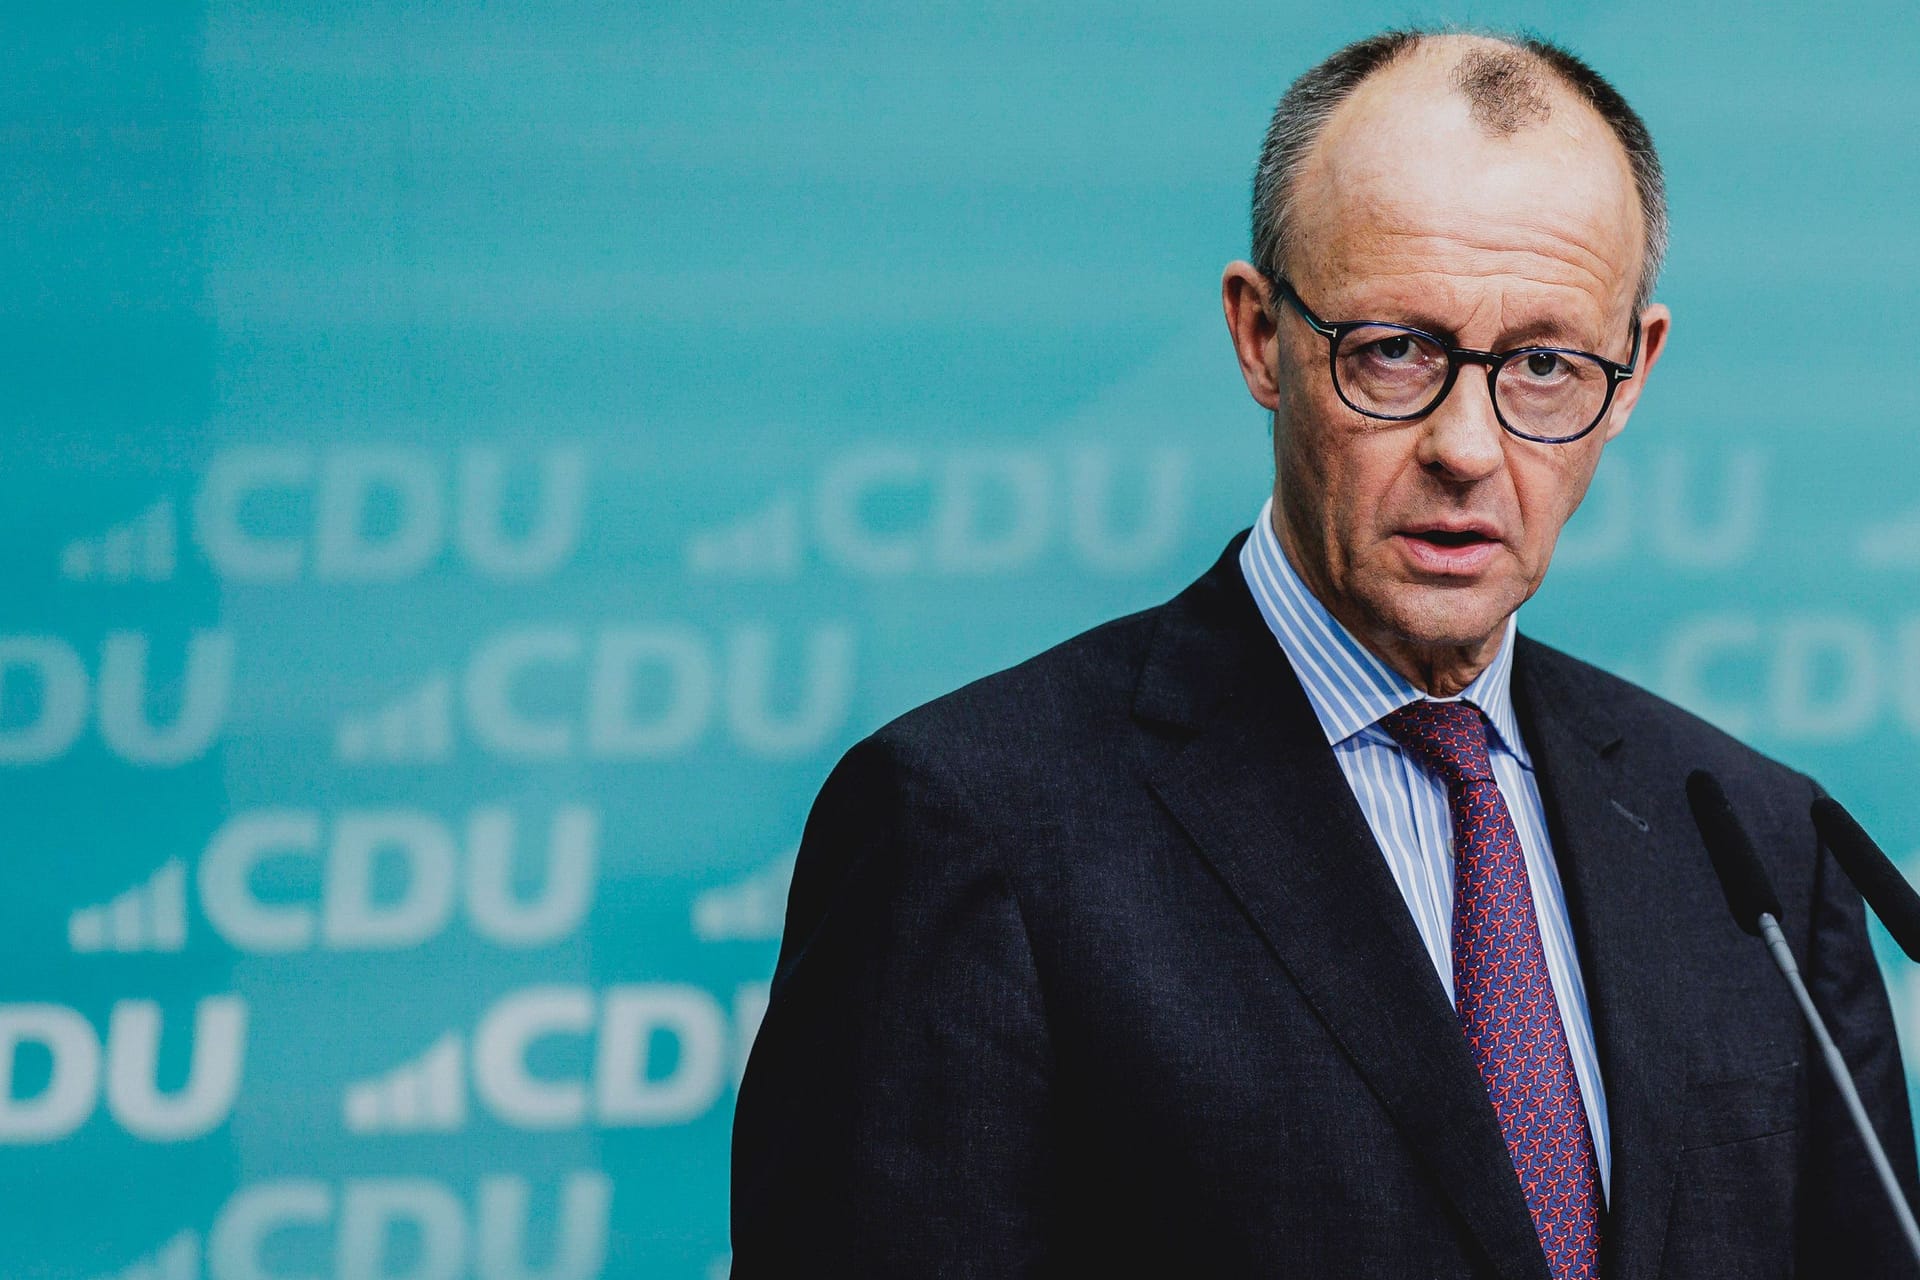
<point x="1457" y="619"/>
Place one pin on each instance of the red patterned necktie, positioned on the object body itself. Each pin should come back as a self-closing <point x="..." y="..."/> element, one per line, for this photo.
<point x="1502" y="992"/>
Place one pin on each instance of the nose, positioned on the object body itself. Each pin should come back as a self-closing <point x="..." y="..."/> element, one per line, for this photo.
<point x="1462" y="438"/>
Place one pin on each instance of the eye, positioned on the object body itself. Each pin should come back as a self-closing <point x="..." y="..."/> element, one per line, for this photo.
<point x="1395" y="349"/>
<point x="1544" y="366"/>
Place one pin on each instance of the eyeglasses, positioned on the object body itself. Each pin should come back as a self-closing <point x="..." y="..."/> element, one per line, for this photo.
<point x="1552" y="395"/>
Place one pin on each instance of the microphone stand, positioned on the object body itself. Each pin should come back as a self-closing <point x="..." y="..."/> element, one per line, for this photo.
<point x="1842" y="1079"/>
<point x="1756" y="909"/>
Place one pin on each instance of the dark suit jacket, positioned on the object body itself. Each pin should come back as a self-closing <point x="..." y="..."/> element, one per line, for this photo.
<point x="1093" y="966"/>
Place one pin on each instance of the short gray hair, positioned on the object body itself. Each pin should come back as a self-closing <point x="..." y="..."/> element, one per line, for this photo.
<point x="1504" y="93"/>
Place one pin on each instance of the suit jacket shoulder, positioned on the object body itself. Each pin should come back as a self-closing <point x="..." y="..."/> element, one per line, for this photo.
<point x="1066" y="694"/>
<point x="1658" y="743"/>
<point x="1099" y="708"/>
<point x="1041" y="745"/>
<point x="1668" y="726"/>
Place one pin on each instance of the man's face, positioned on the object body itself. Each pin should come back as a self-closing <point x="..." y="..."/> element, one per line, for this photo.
<point x="1422" y="537"/>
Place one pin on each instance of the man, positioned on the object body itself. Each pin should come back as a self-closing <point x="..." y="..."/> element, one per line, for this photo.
<point x="1315" y="923"/>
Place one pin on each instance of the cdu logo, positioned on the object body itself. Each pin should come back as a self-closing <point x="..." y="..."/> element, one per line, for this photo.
<point x="643" y="692"/>
<point x="384" y="880"/>
<point x="1682" y="512"/>
<point x="355" y="514"/>
<point x="654" y="1054"/>
<point x="48" y="696"/>
<point x="404" y="1228"/>
<point x="892" y="510"/>
<point x="1804" y="677"/>
<point x="128" y="1060"/>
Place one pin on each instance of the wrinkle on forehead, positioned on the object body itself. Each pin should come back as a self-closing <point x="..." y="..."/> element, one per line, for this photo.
<point x="1437" y="261"/>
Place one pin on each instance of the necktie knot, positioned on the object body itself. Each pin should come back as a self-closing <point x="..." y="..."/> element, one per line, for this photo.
<point x="1448" y="738"/>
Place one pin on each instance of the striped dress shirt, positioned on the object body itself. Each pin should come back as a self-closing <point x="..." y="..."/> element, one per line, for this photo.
<point x="1406" y="807"/>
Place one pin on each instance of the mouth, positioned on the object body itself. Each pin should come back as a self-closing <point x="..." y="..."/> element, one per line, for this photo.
<point x="1451" y="537"/>
<point x="1452" y="550"/>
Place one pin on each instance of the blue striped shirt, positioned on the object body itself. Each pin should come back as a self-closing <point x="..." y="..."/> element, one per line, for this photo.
<point x="1351" y="689"/>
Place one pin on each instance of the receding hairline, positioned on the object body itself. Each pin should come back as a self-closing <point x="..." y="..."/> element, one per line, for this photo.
<point x="1509" y="82"/>
<point x="1506" y="92"/>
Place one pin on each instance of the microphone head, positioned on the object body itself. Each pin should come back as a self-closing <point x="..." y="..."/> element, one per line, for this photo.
<point x="1742" y="877"/>
<point x="1872" y="873"/>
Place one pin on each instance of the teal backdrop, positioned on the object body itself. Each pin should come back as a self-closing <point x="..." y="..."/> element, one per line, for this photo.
<point x="469" y="470"/>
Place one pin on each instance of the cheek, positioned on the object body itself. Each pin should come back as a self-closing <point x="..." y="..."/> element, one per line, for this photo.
<point x="1370" y="490"/>
<point x="1340" y="478"/>
<point x="1319" y="484"/>
<point x="1363" y="489"/>
<point x="1549" y="492"/>
<point x="1300" y="449"/>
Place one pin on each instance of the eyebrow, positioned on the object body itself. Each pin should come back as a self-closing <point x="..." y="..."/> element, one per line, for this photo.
<point x="1544" y="333"/>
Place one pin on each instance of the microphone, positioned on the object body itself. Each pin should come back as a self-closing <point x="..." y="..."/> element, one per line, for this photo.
<point x="1756" y="908"/>
<point x="1872" y="873"/>
<point x="1742" y="878"/>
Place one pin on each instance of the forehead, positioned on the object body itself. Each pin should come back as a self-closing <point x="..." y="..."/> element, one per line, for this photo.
<point x="1407" y="181"/>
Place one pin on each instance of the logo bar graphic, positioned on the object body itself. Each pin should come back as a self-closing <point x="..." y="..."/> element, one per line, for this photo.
<point x="750" y="909"/>
<point x="425" y="1095"/>
<point x="143" y="549"/>
<point x="765" y="543"/>
<point x="416" y="727"/>
<point x="177" y="1259"/>
<point x="151" y="916"/>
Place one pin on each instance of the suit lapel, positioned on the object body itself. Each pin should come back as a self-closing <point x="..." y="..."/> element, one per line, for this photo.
<point x="1261" y="796"/>
<point x="1618" y="897"/>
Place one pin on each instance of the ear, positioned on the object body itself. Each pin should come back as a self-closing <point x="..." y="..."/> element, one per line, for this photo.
<point x="1248" y="302"/>
<point x="1655" y="322"/>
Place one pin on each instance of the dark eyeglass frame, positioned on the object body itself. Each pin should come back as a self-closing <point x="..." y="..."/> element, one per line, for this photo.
<point x="1457" y="356"/>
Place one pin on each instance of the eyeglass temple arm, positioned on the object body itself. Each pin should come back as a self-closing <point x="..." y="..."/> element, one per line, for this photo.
<point x="1285" y="290"/>
<point x="1622" y="372"/>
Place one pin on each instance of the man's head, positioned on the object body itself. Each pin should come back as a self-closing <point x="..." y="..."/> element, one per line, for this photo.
<point x="1482" y="190"/>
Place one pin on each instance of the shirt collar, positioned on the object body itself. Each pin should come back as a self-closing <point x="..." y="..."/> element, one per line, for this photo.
<point x="1349" y="686"/>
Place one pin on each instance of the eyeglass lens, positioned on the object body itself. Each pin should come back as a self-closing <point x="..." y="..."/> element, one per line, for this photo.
<point x="1395" y="372"/>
